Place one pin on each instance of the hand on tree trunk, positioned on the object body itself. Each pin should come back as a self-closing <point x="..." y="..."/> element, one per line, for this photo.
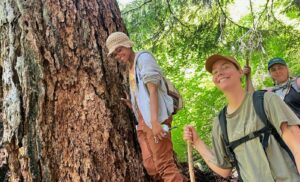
<point x="126" y="100"/>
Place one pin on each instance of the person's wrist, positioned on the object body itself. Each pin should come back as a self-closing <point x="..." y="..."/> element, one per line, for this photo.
<point x="155" y="122"/>
<point x="197" y="142"/>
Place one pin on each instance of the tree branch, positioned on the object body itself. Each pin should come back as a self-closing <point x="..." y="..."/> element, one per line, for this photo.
<point x="265" y="9"/>
<point x="177" y="19"/>
<point x="223" y="12"/>
<point x="141" y="5"/>
<point x="252" y="14"/>
<point x="272" y="12"/>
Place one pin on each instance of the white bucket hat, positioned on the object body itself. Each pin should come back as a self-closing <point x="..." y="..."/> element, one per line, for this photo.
<point x="117" y="39"/>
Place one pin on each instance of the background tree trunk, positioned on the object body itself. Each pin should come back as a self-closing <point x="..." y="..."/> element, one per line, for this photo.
<point x="61" y="113"/>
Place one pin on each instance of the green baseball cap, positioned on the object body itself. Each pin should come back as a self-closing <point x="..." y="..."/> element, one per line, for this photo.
<point x="276" y="60"/>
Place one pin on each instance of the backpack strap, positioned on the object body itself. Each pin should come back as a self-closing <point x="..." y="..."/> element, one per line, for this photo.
<point x="258" y="101"/>
<point x="248" y="137"/>
<point x="228" y="148"/>
<point x="223" y="124"/>
<point x="295" y="85"/>
<point x="136" y="65"/>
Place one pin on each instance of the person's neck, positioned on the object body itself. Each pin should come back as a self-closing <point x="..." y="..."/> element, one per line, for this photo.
<point x="282" y="83"/>
<point x="235" y="98"/>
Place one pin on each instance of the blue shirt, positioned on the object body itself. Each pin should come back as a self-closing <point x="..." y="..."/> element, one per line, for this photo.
<point x="147" y="70"/>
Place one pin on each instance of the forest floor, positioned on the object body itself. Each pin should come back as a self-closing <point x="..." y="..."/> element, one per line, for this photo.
<point x="201" y="176"/>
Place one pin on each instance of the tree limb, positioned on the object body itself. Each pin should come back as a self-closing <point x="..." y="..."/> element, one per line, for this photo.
<point x="177" y="19"/>
<point x="141" y="5"/>
<point x="223" y="12"/>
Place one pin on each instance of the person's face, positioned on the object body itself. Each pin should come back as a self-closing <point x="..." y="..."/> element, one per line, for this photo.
<point x="225" y="74"/>
<point x="122" y="54"/>
<point x="279" y="73"/>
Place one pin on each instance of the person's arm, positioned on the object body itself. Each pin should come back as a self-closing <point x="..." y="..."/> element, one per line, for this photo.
<point x="157" y="129"/>
<point x="291" y="136"/>
<point x="298" y="82"/>
<point x="190" y="135"/>
<point x="151" y="76"/>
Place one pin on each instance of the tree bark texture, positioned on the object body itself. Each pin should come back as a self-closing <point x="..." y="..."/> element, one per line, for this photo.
<point x="61" y="113"/>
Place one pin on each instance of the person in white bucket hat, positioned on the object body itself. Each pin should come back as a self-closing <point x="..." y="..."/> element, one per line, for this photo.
<point x="116" y="40"/>
<point x="152" y="107"/>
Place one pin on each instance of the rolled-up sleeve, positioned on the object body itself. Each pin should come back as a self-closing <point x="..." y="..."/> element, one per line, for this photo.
<point x="149" y="69"/>
<point x="278" y="111"/>
<point x="218" y="147"/>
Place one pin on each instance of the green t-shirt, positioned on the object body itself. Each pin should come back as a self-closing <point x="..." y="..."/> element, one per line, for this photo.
<point x="254" y="164"/>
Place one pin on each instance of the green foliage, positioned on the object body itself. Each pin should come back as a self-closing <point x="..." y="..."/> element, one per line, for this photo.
<point x="183" y="33"/>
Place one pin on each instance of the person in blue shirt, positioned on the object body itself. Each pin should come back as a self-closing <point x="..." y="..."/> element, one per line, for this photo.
<point x="151" y="105"/>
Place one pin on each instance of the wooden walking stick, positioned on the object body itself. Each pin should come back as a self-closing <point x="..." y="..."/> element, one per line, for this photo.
<point x="247" y="76"/>
<point x="249" y="85"/>
<point x="190" y="162"/>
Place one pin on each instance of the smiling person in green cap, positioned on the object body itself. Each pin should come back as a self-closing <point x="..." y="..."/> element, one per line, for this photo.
<point x="286" y="86"/>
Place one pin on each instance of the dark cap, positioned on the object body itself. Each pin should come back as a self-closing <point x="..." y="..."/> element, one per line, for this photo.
<point x="216" y="57"/>
<point x="275" y="61"/>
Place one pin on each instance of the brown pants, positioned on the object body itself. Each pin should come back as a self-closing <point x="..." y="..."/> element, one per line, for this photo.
<point x="158" y="157"/>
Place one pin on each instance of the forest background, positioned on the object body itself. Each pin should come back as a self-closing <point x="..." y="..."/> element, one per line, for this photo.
<point x="183" y="33"/>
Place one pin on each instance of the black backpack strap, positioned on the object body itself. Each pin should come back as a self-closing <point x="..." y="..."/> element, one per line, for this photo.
<point x="223" y="124"/>
<point x="228" y="148"/>
<point x="248" y="137"/>
<point x="258" y="101"/>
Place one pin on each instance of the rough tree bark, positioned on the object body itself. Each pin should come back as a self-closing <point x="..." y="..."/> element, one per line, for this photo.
<point x="61" y="113"/>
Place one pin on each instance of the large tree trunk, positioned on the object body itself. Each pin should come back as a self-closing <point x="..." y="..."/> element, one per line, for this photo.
<point x="61" y="113"/>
